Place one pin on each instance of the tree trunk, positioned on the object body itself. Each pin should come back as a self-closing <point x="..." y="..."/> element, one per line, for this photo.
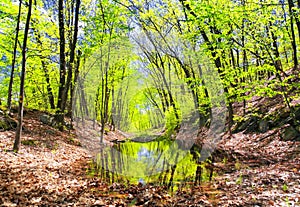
<point x="14" y="59"/>
<point x="46" y="73"/>
<point x="59" y="118"/>
<point x="294" y="46"/>
<point x="297" y="19"/>
<point x="21" y="97"/>
<point x="70" y="64"/>
<point x="75" y="80"/>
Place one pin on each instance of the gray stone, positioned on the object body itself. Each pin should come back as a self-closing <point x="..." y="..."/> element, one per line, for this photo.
<point x="263" y="125"/>
<point x="46" y="119"/>
<point x="290" y="134"/>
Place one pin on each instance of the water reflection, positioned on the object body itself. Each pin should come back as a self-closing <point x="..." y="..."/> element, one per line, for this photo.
<point x="165" y="161"/>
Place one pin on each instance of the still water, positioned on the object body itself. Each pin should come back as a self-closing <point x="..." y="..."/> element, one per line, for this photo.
<point x="161" y="161"/>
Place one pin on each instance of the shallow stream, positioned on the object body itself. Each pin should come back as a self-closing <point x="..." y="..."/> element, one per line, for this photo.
<point x="159" y="161"/>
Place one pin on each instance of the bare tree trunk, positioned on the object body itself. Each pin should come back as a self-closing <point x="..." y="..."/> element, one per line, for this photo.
<point x="72" y="89"/>
<point x="62" y="66"/>
<point x="297" y="19"/>
<point x="294" y="46"/>
<point x="113" y="110"/>
<point x="70" y="64"/>
<point x="46" y="73"/>
<point x="278" y="67"/>
<point x="14" y="59"/>
<point x="21" y="97"/>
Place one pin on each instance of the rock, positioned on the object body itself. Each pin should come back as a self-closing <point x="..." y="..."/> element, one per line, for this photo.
<point x="7" y="123"/>
<point x="3" y="125"/>
<point x="248" y="125"/>
<point x="46" y="119"/>
<point x="263" y="125"/>
<point x="50" y="121"/>
<point x="48" y="131"/>
<point x="290" y="134"/>
<point x="68" y="125"/>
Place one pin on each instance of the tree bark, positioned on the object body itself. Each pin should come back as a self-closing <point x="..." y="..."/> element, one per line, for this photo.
<point x="59" y="118"/>
<point x="14" y="59"/>
<point x="21" y="98"/>
<point x="73" y="84"/>
<point x="65" y="78"/>
<point x="71" y="62"/>
<point x="294" y="46"/>
<point x="46" y="73"/>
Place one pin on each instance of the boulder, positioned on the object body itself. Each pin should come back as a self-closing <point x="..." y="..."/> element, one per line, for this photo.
<point x="46" y="119"/>
<point x="50" y="121"/>
<point x="263" y="126"/>
<point x="7" y="123"/>
<point x="290" y="134"/>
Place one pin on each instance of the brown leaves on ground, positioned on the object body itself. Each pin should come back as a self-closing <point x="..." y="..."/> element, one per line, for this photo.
<point x="265" y="171"/>
<point x="50" y="170"/>
<point x="41" y="174"/>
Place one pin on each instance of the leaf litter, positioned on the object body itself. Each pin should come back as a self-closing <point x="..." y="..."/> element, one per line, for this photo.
<point x="51" y="170"/>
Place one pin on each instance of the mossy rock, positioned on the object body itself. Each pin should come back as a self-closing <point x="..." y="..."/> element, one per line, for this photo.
<point x="249" y="124"/>
<point x="263" y="125"/>
<point x="3" y="124"/>
<point x="7" y="123"/>
<point x="46" y="119"/>
<point x="290" y="134"/>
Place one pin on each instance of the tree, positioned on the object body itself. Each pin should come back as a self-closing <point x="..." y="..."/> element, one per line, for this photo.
<point x="14" y="58"/>
<point x="293" y="38"/>
<point x="62" y="66"/>
<point x="66" y="68"/>
<point x="21" y="97"/>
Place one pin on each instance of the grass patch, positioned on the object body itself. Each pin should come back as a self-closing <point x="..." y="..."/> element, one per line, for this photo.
<point x="29" y="142"/>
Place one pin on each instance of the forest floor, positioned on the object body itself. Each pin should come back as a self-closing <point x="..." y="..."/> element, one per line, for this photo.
<point x="257" y="169"/>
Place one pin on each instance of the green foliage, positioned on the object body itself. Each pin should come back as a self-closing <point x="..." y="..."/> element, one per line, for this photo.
<point x="29" y="142"/>
<point x="285" y="187"/>
<point x="237" y="165"/>
<point x="148" y="65"/>
<point x="287" y="201"/>
<point x="171" y="121"/>
<point x="239" y="180"/>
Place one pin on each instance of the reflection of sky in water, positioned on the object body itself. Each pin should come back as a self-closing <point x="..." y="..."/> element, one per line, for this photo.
<point x="152" y="160"/>
<point x="142" y="181"/>
<point x="145" y="154"/>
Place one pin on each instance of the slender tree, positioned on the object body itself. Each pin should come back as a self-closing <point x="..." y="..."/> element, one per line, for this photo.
<point x="46" y="72"/>
<point x="71" y="62"/>
<point x="294" y="45"/>
<point x="14" y="59"/>
<point x="66" y="67"/>
<point x="62" y="66"/>
<point x="21" y="96"/>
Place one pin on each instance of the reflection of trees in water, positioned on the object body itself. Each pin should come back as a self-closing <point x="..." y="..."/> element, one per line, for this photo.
<point x="152" y="162"/>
